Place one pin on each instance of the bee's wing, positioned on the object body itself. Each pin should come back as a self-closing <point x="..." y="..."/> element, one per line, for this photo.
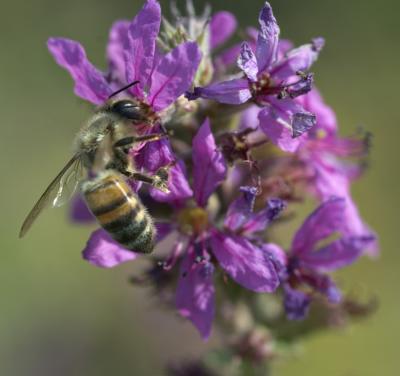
<point x="65" y="177"/>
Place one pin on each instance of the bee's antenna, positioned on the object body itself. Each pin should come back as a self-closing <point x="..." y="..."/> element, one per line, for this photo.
<point x="123" y="88"/>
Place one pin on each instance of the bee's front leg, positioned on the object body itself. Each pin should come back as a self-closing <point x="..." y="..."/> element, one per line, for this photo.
<point x="126" y="143"/>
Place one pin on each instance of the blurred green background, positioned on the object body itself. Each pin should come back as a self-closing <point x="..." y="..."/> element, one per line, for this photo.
<point x="60" y="316"/>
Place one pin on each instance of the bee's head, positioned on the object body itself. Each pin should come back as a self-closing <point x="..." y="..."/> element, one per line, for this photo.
<point x="128" y="109"/>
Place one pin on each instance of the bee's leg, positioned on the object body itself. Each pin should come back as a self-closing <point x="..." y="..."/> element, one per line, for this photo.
<point x="127" y="142"/>
<point x="159" y="180"/>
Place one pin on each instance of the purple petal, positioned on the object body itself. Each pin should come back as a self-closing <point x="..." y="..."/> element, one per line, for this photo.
<point x="336" y="255"/>
<point x="163" y="230"/>
<point x="177" y="184"/>
<point x="275" y="122"/>
<point x="277" y="256"/>
<point x="298" y="60"/>
<point x="195" y="294"/>
<point x="143" y="32"/>
<point x="174" y="75"/>
<point x="321" y="223"/>
<point x="231" y="92"/>
<point x="261" y="220"/>
<point x="209" y="168"/>
<point x="104" y="252"/>
<point x="154" y="155"/>
<point x="90" y="83"/>
<point x="247" y="62"/>
<point x="241" y="208"/>
<point x="268" y="37"/>
<point x="244" y="262"/>
<point x="222" y="26"/>
<point x="79" y="211"/>
<point x="326" y="118"/>
<point x="296" y="303"/>
<point x="118" y="42"/>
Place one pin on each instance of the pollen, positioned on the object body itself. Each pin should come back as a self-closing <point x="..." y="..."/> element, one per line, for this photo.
<point x="193" y="220"/>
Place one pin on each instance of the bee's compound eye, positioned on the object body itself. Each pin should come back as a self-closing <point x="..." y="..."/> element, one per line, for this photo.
<point x="127" y="109"/>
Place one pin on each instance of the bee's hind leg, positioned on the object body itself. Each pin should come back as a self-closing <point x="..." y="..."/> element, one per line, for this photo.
<point x="159" y="180"/>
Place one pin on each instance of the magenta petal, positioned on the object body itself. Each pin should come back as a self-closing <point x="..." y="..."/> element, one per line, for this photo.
<point x="276" y="125"/>
<point x="336" y="255"/>
<point x="143" y="32"/>
<point x="231" y="92"/>
<point x="209" y="167"/>
<point x="222" y="26"/>
<point x="247" y="62"/>
<point x="241" y="208"/>
<point x="90" y="83"/>
<point x="178" y="185"/>
<point x="79" y="211"/>
<point x="268" y="37"/>
<point x="174" y="75"/>
<point x="118" y="42"/>
<point x="321" y="223"/>
<point x="195" y="294"/>
<point x="245" y="263"/>
<point x="102" y="251"/>
<point x="300" y="59"/>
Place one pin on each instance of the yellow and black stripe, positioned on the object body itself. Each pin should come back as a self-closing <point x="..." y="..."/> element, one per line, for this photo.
<point x="120" y="212"/>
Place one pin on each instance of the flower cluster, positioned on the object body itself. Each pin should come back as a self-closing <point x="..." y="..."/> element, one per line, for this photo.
<point x="249" y="135"/>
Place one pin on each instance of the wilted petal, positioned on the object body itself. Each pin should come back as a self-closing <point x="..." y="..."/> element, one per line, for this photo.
<point x="298" y="60"/>
<point x="260" y="221"/>
<point x="296" y="304"/>
<point x="79" y="211"/>
<point x="118" y="42"/>
<point x="244" y="262"/>
<point x="302" y="122"/>
<point x="241" y="208"/>
<point x="321" y="223"/>
<point x="231" y="92"/>
<point x="209" y="168"/>
<point x="143" y="32"/>
<point x="90" y="83"/>
<point x="102" y="251"/>
<point x="268" y="37"/>
<point x="174" y="75"/>
<point x="222" y="26"/>
<point x="339" y="253"/>
<point x="177" y="184"/>
<point x="195" y="294"/>
<point x="247" y="62"/>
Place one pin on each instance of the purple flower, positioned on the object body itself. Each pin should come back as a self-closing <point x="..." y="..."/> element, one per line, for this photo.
<point x="199" y="239"/>
<point x="320" y="245"/>
<point x="323" y="153"/>
<point x="272" y="81"/>
<point x="132" y="55"/>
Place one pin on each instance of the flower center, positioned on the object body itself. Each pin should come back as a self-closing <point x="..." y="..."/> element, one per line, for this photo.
<point x="193" y="220"/>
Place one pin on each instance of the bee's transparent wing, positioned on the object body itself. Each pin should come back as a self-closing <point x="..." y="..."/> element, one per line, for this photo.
<point x="64" y="184"/>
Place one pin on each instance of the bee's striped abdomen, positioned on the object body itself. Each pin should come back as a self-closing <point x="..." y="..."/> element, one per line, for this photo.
<point x="120" y="212"/>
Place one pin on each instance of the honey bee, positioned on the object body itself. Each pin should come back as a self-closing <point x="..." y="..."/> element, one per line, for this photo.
<point x="102" y="149"/>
